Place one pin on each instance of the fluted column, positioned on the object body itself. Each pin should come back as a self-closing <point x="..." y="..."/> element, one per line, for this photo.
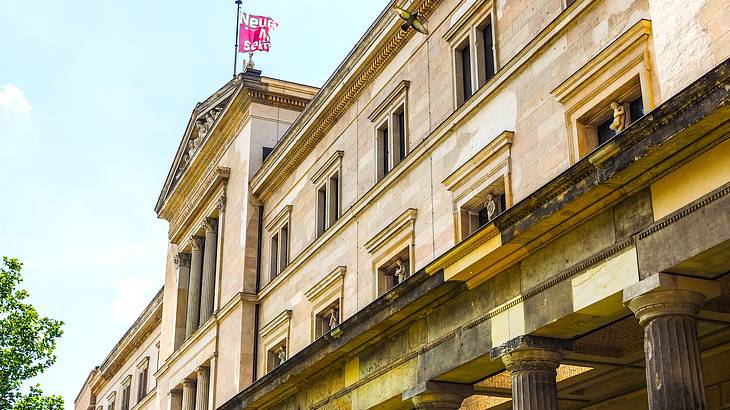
<point x="532" y="364"/>
<point x="437" y="396"/>
<point x="203" y="387"/>
<point x="673" y="365"/>
<point x="533" y="373"/>
<point x="196" y="270"/>
<point x="188" y="395"/>
<point x="207" y="293"/>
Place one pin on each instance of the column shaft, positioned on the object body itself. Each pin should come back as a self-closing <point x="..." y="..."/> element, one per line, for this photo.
<point x="188" y="396"/>
<point x="673" y="365"/>
<point x="196" y="270"/>
<point x="207" y="293"/>
<point x="203" y="387"/>
<point x="534" y="389"/>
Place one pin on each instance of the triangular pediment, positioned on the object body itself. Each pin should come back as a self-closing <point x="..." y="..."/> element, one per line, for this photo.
<point x="203" y="121"/>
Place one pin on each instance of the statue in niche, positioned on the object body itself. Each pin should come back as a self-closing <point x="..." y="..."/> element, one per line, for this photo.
<point x="400" y="270"/>
<point x="491" y="207"/>
<point x="619" y="117"/>
<point x="280" y="354"/>
<point x="334" y="318"/>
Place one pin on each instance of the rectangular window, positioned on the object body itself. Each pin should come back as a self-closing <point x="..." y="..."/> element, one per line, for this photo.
<point x="474" y="53"/>
<point x="383" y="151"/>
<point x="391" y="140"/>
<point x="464" y="71"/>
<point x="274" y="255"/>
<point x="327" y="319"/>
<point x="276" y="356"/>
<point x="485" y="43"/>
<point x="321" y="210"/>
<point x="284" y="248"/>
<point x="394" y="271"/>
<point x="328" y="203"/>
<point x="125" y="397"/>
<point x="142" y="384"/>
<point x="482" y="207"/>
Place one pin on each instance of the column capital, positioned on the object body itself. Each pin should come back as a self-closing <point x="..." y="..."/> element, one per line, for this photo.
<point x="196" y="243"/>
<point x="202" y="370"/>
<point x="535" y="344"/>
<point x="437" y="395"/>
<point x="188" y="383"/>
<point x="182" y="260"/>
<point x="210" y="225"/>
<point x="665" y="294"/>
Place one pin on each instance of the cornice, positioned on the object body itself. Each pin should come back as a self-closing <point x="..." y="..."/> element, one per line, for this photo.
<point x="495" y="147"/>
<point x="337" y="156"/>
<point x="390" y="99"/>
<point x="406" y="219"/>
<point x="336" y="275"/>
<point x="279" y="218"/>
<point x="362" y="66"/>
<point x="204" y="190"/>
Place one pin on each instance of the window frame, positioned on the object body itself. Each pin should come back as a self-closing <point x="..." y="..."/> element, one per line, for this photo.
<point x="391" y="131"/>
<point x="328" y="195"/>
<point x="143" y="372"/>
<point x="274" y="334"/>
<point x="467" y="32"/>
<point x="323" y="294"/>
<point x="279" y="229"/>
<point x="397" y="237"/>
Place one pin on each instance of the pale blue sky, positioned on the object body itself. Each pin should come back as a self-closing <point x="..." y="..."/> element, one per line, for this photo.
<point x="94" y="97"/>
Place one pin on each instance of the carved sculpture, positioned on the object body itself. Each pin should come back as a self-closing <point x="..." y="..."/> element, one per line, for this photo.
<point x="400" y="271"/>
<point x="491" y="206"/>
<point x="281" y="354"/>
<point x="334" y="318"/>
<point x="619" y="117"/>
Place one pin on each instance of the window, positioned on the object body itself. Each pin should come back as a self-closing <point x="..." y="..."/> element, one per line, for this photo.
<point x="126" y="388"/>
<point x="142" y="380"/>
<point x="391" y="131"/>
<point x="394" y="271"/>
<point x="472" y="39"/>
<point x="327" y="319"/>
<point x="276" y="356"/>
<point x="615" y="83"/>
<point x="482" y="208"/>
<point x="279" y="239"/>
<point x="596" y="124"/>
<point x="111" y="400"/>
<point x="391" y="142"/>
<point x="393" y="250"/>
<point x="328" y="202"/>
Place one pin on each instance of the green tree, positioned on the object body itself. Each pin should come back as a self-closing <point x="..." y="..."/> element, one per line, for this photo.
<point x="27" y="342"/>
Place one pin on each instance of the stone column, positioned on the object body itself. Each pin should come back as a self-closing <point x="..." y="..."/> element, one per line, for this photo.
<point x="437" y="396"/>
<point x="207" y="293"/>
<point x="532" y="363"/>
<point x="667" y="307"/>
<point x="201" y="395"/>
<point x="188" y="395"/>
<point x="196" y="270"/>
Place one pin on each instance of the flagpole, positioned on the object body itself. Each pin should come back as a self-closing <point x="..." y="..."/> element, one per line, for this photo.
<point x="238" y="28"/>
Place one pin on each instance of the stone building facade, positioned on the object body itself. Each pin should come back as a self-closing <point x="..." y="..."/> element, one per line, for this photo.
<point x="526" y="207"/>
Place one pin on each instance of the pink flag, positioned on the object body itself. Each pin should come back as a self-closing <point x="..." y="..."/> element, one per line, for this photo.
<point x="254" y="34"/>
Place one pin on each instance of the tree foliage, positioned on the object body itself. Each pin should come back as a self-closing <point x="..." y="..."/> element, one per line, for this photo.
<point x="27" y="343"/>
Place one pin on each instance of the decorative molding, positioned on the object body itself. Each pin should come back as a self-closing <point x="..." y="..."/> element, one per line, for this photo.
<point x="477" y="162"/>
<point x="205" y="189"/>
<point x="391" y="99"/>
<point x="465" y="17"/>
<point x="327" y="282"/>
<point x="282" y="216"/>
<point x="144" y="363"/>
<point x="282" y="319"/>
<point x="336" y="158"/>
<point x="127" y="381"/>
<point x="406" y="219"/>
<point x="641" y="31"/>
